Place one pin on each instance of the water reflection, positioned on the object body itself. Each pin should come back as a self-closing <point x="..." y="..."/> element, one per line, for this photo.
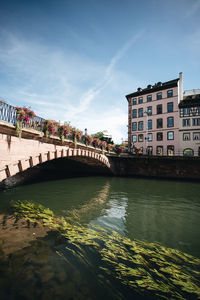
<point x="163" y="211"/>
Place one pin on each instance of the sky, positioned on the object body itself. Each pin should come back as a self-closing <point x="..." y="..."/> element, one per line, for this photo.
<point x="75" y="60"/>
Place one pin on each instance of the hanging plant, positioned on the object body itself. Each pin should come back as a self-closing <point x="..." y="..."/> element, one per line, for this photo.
<point x="64" y="131"/>
<point x="49" y="127"/>
<point x="88" y="139"/>
<point x="24" y="115"/>
<point x="96" y="142"/>
<point x="77" y="134"/>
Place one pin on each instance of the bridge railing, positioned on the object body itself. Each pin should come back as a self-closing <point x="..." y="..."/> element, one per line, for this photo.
<point x="8" y="114"/>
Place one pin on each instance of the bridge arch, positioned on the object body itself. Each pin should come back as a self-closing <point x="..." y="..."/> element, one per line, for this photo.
<point x="18" y="155"/>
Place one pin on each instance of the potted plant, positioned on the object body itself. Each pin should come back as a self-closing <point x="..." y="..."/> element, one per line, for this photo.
<point x="77" y="134"/>
<point x="24" y="115"/>
<point x="64" y="131"/>
<point x="88" y="139"/>
<point x="96" y="142"/>
<point x="49" y="127"/>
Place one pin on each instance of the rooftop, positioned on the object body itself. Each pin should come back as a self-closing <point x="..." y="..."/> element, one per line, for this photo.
<point x="154" y="88"/>
<point x="190" y="101"/>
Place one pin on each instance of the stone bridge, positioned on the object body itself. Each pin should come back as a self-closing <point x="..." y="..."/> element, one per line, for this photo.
<point x="33" y="149"/>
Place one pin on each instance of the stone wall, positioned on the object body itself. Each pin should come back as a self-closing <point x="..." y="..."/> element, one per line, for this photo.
<point x="157" y="167"/>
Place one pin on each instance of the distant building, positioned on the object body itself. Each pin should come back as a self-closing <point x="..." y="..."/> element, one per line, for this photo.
<point x="153" y="115"/>
<point x="189" y="124"/>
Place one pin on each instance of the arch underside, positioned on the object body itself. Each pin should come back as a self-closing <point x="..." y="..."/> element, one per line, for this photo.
<point x="59" y="162"/>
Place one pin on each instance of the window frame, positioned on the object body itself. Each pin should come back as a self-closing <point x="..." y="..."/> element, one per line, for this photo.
<point x="160" y="126"/>
<point x="184" y="121"/>
<point x="140" y="137"/>
<point x="134" y="135"/>
<point x="159" y="109"/>
<point x="134" y="124"/>
<point x="140" y="124"/>
<point x="140" y="115"/>
<point x="168" y="133"/>
<point x="194" y="135"/>
<point x="168" y="103"/>
<point x="134" y="115"/>
<point x="169" y="96"/>
<point x="168" y="124"/>
<point x="140" y="100"/>
<point x="161" y="135"/>
<point x="186" y="134"/>
<point x="159" y="96"/>
<point x="149" y="98"/>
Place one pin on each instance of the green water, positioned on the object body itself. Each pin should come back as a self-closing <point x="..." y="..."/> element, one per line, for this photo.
<point x="167" y="212"/>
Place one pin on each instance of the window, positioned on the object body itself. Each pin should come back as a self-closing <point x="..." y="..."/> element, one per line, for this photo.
<point x="140" y="125"/>
<point x="186" y="111"/>
<point x="140" y="138"/>
<point x="186" y="122"/>
<point x="140" y="112"/>
<point x="170" y="107"/>
<point x="170" y="150"/>
<point x="170" y="135"/>
<point x="159" y="109"/>
<point x="140" y="100"/>
<point x="134" y="114"/>
<point x="159" y="123"/>
<point x="149" y="150"/>
<point x="196" y="136"/>
<point x="170" y="122"/>
<point x="149" y="98"/>
<point x="188" y="152"/>
<point x="159" y="96"/>
<point x="134" y="126"/>
<point x="159" y="136"/>
<point x="149" y="137"/>
<point x="186" y="136"/>
<point x="198" y="110"/>
<point x="134" y="101"/>
<point x="169" y="93"/>
<point x="196" y="122"/>
<point x="149" y="124"/>
<point x="149" y="110"/>
<point x="134" y="138"/>
<point x="159" y="150"/>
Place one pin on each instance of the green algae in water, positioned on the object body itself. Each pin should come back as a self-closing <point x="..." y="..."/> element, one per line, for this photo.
<point x="149" y="269"/>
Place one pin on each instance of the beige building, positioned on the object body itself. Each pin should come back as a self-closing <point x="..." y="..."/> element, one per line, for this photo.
<point x="189" y="124"/>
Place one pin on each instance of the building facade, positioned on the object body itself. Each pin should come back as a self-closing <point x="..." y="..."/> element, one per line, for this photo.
<point x="153" y="118"/>
<point x="189" y="124"/>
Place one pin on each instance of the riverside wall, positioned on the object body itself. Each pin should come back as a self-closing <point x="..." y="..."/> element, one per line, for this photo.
<point x="172" y="167"/>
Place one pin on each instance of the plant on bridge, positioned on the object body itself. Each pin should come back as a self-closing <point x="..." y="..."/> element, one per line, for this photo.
<point x="77" y="134"/>
<point x="64" y="131"/>
<point x="88" y="139"/>
<point x="119" y="149"/>
<point x="110" y="147"/>
<point x="96" y="142"/>
<point x="103" y="146"/>
<point x="24" y="116"/>
<point x="49" y="127"/>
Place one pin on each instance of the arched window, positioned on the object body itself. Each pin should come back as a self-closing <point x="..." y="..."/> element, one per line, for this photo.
<point x="188" y="152"/>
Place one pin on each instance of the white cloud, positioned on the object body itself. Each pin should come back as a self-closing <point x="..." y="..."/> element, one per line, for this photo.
<point x="66" y="86"/>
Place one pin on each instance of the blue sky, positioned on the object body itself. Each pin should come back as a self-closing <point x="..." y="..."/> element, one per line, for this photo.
<point x="76" y="60"/>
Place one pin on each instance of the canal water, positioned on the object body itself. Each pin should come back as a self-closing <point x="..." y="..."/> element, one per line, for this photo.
<point x="38" y="263"/>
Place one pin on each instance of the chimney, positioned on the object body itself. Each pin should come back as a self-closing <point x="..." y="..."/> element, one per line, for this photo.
<point x="180" y="87"/>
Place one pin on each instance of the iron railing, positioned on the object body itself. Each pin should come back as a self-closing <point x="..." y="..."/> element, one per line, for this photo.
<point x="8" y="114"/>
